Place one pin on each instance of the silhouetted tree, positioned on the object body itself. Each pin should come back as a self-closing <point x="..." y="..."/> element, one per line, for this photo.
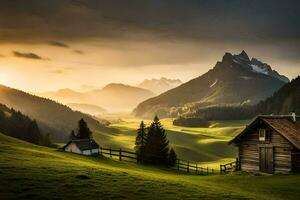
<point x="73" y="135"/>
<point x="83" y="130"/>
<point x="140" y="141"/>
<point x="172" y="158"/>
<point x="156" y="147"/>
<point x="34" y="134"/>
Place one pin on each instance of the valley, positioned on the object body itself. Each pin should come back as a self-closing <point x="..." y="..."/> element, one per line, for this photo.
<point x="202" y="145"/>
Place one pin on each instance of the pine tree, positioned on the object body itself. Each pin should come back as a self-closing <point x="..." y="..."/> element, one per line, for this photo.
<point x="140" y="141"/>
<point x="156" y="148"/>
<point x="172" y="158"/>
<point x="34" y="134"/>
<point x="83" y="130"/>
<point x="72" y="135"/>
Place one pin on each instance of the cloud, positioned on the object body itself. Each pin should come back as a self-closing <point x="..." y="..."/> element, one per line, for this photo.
<point x="57" y="71"/>
<point x="144" y="20"/>
<point x="58" y="44"/>
<point x="28" y="55"/>
<point x="79" y="52"/>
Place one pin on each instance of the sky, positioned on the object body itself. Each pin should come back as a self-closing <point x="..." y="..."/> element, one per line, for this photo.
<point x="51" y="44"/>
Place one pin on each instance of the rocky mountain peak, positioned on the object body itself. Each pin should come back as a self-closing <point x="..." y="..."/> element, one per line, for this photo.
<point x="242" y="61"/>
<point x="243" y="55"/>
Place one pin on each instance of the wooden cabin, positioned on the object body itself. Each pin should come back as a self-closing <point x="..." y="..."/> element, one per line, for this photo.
<point x="82" y="146"/>
<point x="270" y="144"/>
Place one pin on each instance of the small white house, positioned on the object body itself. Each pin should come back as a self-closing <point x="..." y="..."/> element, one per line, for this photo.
<point x="82" y="146"/>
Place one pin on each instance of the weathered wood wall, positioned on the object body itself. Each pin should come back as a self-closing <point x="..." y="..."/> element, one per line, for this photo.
<point x="249" y="151"/>
<point x="296" y="161"/>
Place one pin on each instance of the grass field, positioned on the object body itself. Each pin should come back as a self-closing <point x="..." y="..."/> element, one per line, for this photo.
<point x="206" y="146"/>
<point x="32" y="172"/>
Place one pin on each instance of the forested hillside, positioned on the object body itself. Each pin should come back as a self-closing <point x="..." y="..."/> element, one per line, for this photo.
<point x="15" y="124"/>
<point x="284" y="101"/>
<point x="49" y="114"/>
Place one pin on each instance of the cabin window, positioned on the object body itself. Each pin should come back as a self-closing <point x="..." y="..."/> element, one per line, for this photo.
<point x="262" y="135"/>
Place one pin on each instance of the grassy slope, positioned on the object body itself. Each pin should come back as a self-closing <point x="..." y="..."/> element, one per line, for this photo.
<point x="206" y="145"/>
<point x="31" y="172"/>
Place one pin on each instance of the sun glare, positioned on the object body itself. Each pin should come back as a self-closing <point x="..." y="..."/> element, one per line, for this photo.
<point x="4" y="79"/>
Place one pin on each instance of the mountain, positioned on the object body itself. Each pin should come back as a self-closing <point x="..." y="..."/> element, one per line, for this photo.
<point x="161" y="85"/>
<point x="118" y="97"/>
<point x="235" y="79"/>
<point x="87" y="108"/>
<point x="114" y="97"/>
<point x="65" y="95"/>
<point x="49" y="114"/>
<point x="282" y="102"/>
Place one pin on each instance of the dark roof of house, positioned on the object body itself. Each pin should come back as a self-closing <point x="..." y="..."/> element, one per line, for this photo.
<point x="84" y="144"/>
<point x="283" y="124"/>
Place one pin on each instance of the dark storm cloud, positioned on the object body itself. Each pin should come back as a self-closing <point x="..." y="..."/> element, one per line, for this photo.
<point x="272" y="25"/>
<point x="137" y="20"/>
<point x="28" y="55"/>
<point x="58" y="44"/>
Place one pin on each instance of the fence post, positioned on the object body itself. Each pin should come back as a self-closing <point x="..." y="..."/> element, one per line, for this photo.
<point x="120" y="154"/>
<point x="110" y="153"/>
<point x="188" y="166"/>
<point x="178" y="164"/>
<point x="237" y="165"/>
<point x="101" y="150"/>
<point x="207" y="171"/>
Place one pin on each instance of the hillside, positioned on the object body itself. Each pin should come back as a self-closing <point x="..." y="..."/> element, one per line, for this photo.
<point x="284" y="101"/>
<point x="117" y="97"/>
<point x="161" y="85"/>
<point x="208" y="144"/>
<point x="49" y="114"/>
<point x="32" y="172"/>
<point x="236" y="79"/>
<point x="114" y="97"/>
<point x="87" y="108"/>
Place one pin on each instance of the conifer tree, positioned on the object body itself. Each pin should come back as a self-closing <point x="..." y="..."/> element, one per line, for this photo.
<point x="83" y="130"/>
<point x="172" y="158"/>
<point x="140" y="141"/>
<point x="34" y="134"/>
<point x="72" y="135"/>
<point x="156" y="148"/>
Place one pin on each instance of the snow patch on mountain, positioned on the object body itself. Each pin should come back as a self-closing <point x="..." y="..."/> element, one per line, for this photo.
<point x="259" y="69"/>
<point x="212" y="85"/>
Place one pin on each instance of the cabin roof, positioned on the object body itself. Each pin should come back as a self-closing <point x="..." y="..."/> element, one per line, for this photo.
<point x="282" y="124"/>
<point x="84" y="144"/>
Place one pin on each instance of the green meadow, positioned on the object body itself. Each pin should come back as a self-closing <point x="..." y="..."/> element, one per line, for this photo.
<point x="206" y="146"/>
<point x="32" y="172"/>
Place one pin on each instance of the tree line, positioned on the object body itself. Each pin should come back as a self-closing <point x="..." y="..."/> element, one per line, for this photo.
<point x="15" y="124"/>
<point x="152" y="145"/>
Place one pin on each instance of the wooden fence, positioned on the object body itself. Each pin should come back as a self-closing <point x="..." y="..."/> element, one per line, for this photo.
<point x="181" y="165"/>
<point x="230" y="167"/>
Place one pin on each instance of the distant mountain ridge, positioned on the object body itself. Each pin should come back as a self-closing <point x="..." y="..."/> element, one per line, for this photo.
<point x="87" y="108"/>
<point x="235" y="79"/>
<point x="161" y="85"/>
<point x="114" y="97"/>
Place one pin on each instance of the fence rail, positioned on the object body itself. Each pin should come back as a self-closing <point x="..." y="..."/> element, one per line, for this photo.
<point x="181" y="165"/>
<point x="230" y="167"/>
